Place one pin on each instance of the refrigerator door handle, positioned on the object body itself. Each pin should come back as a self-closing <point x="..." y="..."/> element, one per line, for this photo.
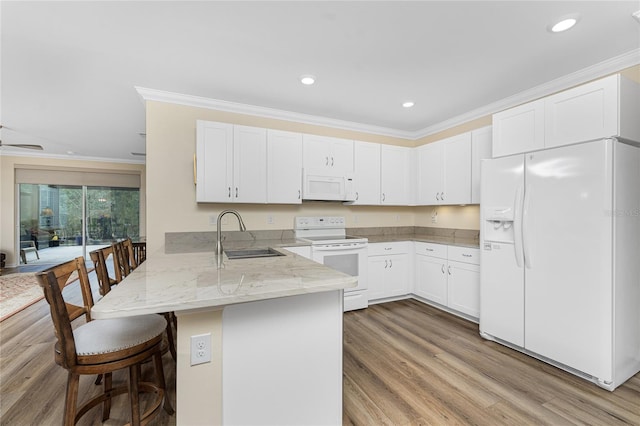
<point x="525" y="234"/>
<point x="517" y="228"/>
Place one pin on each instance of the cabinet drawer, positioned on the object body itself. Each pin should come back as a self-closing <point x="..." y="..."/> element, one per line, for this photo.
<point x="430" y="249"/>
<point x="464" y="254"/>
<point x="380" y="249"/>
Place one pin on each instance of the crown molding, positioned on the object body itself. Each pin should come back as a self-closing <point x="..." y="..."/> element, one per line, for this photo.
<point x="584" y="75"/>
<point x="264" y="112"/>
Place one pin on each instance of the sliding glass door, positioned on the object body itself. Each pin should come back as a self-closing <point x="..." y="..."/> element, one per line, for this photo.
<point x="60" y="222"/>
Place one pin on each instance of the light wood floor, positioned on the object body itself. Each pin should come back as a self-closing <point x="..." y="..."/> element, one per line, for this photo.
<point x="404" y="363"/>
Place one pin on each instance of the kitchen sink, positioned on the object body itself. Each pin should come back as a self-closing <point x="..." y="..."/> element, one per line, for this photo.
<point x="252" y="253"/>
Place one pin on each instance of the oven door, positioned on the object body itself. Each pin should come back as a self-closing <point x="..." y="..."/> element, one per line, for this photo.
<point x="349" y="258"/>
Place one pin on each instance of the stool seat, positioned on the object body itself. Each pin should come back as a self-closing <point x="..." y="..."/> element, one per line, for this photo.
<point x="107" y="336"/>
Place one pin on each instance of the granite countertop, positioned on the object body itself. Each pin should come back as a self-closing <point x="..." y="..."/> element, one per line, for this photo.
<point x="450" y="241"/>
<point x="187" y="281"/>
<point x="451" y="237"/>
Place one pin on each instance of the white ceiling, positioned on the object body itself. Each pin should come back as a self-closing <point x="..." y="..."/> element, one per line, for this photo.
<point x="69" y="69"/>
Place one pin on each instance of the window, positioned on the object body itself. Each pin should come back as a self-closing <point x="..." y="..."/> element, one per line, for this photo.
<point x="63" y="221"/>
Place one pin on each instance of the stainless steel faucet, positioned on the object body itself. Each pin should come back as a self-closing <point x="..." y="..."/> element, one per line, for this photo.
<point x="219" y="232"/>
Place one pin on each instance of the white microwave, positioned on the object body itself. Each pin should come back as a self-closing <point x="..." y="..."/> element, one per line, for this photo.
<point x="321" y="186"/>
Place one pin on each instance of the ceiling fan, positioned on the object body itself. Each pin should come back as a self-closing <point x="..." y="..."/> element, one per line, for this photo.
<point x="21" y="145"/>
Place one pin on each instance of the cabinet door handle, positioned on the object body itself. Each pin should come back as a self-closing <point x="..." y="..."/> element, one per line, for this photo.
<point x="391" y="264"/>
<point x="383" y="196"/>
<point x="438" y="196"/>
<point x="386" y="264"/>
<point x="229" y="192"/>
<point x="467" y="255"/>
<point x="449" y="269"/>
<point x="357" y="196"/>
<point x="236" y="192"/>
<point x="428" y="249"/>
<point x="388" y="248"/>
<point x="195" y="170"/>
<point x="299" y="194"/>
<point x="326" y="161"/>
<point x="442" y="269"/>
<point x="331" y="161"/>
<point x="442" y="196"/>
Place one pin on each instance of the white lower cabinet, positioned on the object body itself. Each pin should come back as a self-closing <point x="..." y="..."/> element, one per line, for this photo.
<point x="448" y="276"/>
<point x="431" y="272"/>
<point x="464" y="288"/>
<point x="389" y="265"/>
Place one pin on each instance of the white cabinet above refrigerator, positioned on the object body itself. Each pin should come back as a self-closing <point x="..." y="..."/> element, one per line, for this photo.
<point x="608" y="107"/>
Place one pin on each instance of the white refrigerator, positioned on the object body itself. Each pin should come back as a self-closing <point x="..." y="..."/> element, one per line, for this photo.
<point x="560" y="257"/>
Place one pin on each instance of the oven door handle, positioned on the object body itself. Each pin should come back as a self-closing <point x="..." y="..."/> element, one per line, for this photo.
<point x="339" y="247"/>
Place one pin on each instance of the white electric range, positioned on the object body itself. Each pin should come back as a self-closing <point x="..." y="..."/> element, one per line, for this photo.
<point x="332" y="247"/>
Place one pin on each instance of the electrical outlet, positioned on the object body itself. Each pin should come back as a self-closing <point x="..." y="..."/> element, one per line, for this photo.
<point x="200" y="349"/>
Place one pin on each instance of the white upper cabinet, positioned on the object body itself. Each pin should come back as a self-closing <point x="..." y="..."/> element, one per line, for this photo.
<point x="603" y="108"/>
<point x="444" y="171"/>
<point x="214" y="161"/>
<point x="231" y="163"/>
<point x="519" y="129"/>
<point x="457" y="170"/>
<point x="430" y="174"/>
<point x="587" y="112"/>
<point x="396" y="175"/>
<point x="367" y="173"/>
<point x="333" y="155"/>
<point x="284" y="167"/>
<point x="249" y="164"/>
<point x="480" y="149"/>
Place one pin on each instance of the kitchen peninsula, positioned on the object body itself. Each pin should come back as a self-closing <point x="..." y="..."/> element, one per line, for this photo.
<point x="276" y="334"/>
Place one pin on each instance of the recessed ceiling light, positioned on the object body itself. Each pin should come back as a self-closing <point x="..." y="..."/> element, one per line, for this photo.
<point x="408" y="104"/>
<point x="307" y="79"/>
<point x="563" y="24"/>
